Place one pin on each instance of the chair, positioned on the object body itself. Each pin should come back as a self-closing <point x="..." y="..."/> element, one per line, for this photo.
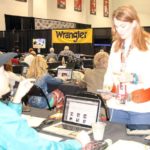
<point x="20" y="69"/>
<point x="36" y="91"/>
<point x="6" y="97"/>
<point x="61" y="57"/>
<point x="95" y="96"/>
<point x="71" y="65"/>
<point x="24" y="64"/>
<point x="53" y="65"/>
<point x="87" y="63"/>
<point x="17" y="69"/>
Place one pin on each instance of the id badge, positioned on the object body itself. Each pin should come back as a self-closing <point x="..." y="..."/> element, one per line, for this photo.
<point x="122" y="93"/>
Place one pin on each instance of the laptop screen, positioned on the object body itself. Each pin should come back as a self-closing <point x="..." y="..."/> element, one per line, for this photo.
<point x="81" y="110"/>
<point x="64" y="72"/>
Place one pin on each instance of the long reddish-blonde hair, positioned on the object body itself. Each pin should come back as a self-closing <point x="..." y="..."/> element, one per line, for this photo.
<point x="129" y="14"/>
<point x="38" y="68"/>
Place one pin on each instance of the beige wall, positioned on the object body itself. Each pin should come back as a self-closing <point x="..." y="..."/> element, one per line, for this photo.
<point x="67" y="14"/>
<point x="47" y="9"/>
<point x="142" y="7"/>
<point x="98" y="20"/>
<point x="40" y="9"/>
<point x="11" y="7"/>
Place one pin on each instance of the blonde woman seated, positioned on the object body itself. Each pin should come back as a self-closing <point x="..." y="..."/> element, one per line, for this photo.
<point x="93" y="78"/>
<point x="38" y="70"/>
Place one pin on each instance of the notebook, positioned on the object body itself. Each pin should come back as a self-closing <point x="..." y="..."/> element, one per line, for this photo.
<point x="65" y="72"/>
<point x="79" y="113"/>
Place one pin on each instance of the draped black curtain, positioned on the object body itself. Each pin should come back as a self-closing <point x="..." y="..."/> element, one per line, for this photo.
<point x="20" y="32"/>
<point x="22" y="40"/>
<point x="19" y="23"/>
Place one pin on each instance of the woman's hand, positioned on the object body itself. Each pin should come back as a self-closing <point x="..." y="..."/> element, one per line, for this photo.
<point x="23" y="88"/>
<point x="106" y="92"/>
<point x="106" y="96"/>
<point x="83" y="138"/>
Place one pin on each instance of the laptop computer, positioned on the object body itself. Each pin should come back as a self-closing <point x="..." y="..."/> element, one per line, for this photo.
<point x="53" y="65"/>
<point x="79" y="113"/>
<point x="65" y="72"/>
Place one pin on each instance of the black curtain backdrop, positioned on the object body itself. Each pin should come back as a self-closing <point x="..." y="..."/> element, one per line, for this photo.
<point x="20" y="32"/>
<point x="23" y="39"/>
<point x="19" y="23"/>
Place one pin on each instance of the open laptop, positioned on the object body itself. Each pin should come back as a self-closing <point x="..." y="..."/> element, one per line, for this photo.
<point x="65" y="72"/>
<point x="53" y="65"/>
<point x="79" y="113"/>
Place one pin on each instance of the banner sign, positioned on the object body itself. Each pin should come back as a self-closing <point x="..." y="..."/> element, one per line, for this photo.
<point x="61" y="4"/>
<point x="72" y="36"/>
<point x="78" y="5"/>
<point x="106" y="8"/>
<point x="93" y="7"/>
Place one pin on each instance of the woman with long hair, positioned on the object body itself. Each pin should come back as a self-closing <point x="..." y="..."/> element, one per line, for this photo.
<point x="128" y="71"/>
<point x="38" y="70"/>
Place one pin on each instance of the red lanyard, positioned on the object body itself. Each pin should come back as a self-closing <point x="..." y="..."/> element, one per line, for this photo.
<point x="124" y="57"/>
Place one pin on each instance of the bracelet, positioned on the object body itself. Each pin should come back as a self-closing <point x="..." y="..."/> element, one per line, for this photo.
<point x="135" y="78"/>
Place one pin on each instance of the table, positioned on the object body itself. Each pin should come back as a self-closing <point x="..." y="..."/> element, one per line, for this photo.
<point x="71" y="88"/>
<point x="68" y="88"/>
<point x="113" y="131"/>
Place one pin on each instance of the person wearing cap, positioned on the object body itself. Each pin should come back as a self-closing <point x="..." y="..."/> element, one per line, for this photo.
<point x="52" y="55"/>
<point x="15" y="133"/>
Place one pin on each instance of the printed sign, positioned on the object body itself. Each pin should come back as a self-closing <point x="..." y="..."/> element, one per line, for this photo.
<point x="72" y="36"/>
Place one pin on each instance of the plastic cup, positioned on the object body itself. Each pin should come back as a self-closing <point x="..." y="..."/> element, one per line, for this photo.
<point x="98" y="129"/>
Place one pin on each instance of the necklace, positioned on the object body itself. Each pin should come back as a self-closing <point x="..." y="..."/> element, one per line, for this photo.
<point x="124" y="58"/>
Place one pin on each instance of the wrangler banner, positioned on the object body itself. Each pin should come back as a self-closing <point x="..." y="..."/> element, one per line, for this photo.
<point x="72" y="36"/>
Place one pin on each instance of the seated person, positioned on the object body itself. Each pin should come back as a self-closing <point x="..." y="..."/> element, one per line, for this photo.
<point x="13" y="78"/>
<point x="67" y="52"/>
<point x="52" y="56"/>
<point x="77" y="76"/>
<point x="52" y="60"/>
<point x="93" y="78"/>
<point x="15" y="60"/>
<point x="29" y="58"/>
<point x="38" y="70"/>
<point x="15" y="133"/>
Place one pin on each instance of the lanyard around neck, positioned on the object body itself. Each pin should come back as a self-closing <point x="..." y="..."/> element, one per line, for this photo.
<point x="124" y="57"/>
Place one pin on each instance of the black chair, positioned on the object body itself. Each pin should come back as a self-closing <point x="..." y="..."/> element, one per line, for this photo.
<point x="95" y="96"/>
<point x="17" y="69"/>
<point x="20" y="69"/>
<point x="36" y="91"/>
<point x="7" y="97"/>
<point x="53" y="65"/>
<point x="87" y="63"/>
<point x="61" y="57"/>
<point x="24" y="64"/>
<point x="71" y="65"/>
